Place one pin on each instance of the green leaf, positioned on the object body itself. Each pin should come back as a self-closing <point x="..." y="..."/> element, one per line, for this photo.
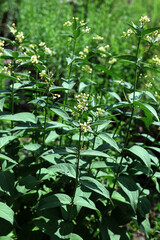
<point x="145" y="227"/>
<point x="115" y="95"/>
<point x="130" y="188"/>
<point x="141" y="154"/>
<point x="150" y="30"/>
<point x="67" y="169"/>
<point x="57" y="88"/>
<point x="53" y="201"/>
<point x="60" y="112"/>
<point x="119" y="105"/>
<point x="36" y="148"/>
<point x="2" y="99"/>
<point x="109" y="229"/>
<point x="76" y="33"/>
<point x="127" y="57"/>
<point x="148" y="109"/>
<point x="4" y="75"/>
<point x="7" y="182"/>
<point x="54" y="125"/>
<point x="5" y="238"/>
<point x="93" y="153"/>
<point x="3" y="157"/>
<point x="6" y="213"/>
<point x="74" y="237"/>
<point x="27" y="183"/>
<point x="106" y="70"/>
<point x="15" y="55"/>
<point x="6" y="40"/>
<point x="106" y="138"/>
<point x="84" y="202"/>
<point x="150" y="95"/>
<point x="5" y="140"/>
<point x="20" y="117"/>
<point x="95" y="186"/>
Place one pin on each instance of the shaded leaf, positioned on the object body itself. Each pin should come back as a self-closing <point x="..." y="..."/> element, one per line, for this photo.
<point x="6" y="213"/>
<point x="141" y="154"/>
<point x="53" y="201"/>
<point x="95" y="186"/>
<point x="67" y="169"/>
<point x="106" y="138"/>
<point x="93" y="153"/>
<point x="130" y="188"/>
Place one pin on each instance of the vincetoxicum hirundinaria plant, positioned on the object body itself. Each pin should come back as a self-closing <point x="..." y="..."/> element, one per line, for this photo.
<point x="72" y="156"/>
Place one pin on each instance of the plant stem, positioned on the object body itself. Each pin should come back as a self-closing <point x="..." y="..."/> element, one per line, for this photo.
<point x="44" y="128"/>
<point x="130" y="121"/>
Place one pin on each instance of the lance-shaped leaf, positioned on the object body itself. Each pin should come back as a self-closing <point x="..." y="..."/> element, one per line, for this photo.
<point x="1" y="103"/>
<point x="67" y="169"/>
<point x="74" y="237"/>
<point x="84" y="202"/>
<point x="5" y="140"/>
<point x="130" y="188"/>
<point x="106" y="138"/>
<point x="93" y="153"/>
<point x="95" y="186"/>
<point x="7" y="182"/>
<point x="4" y="157"/>
<point x="6" y="212"/>
<point x="148" y="109"/>
<point x="150" y="30"/>
<point x="19" y="117"/>
<point x="108" y="71"/>
<point x="53" y="201"/>
<point x="60" y="112"/>
<point x="141" y="154"/>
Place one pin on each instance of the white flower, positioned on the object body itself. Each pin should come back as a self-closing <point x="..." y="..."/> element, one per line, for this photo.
<point x="34" y="59"/>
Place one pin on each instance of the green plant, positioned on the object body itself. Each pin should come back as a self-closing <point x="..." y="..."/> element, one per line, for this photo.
<point x="69" y="148"/>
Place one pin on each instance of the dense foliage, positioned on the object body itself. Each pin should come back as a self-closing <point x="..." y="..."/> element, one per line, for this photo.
<point x="79" y="141"/>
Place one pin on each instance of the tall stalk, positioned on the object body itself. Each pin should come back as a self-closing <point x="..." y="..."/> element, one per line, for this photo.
<point x="44" y="127"/>
<point x="130" y="121"/>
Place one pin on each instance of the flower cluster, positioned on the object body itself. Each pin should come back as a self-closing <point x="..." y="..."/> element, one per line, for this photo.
<point x="83" y="54"/>
<point x="42" y="74"/>
<point x="156" y="60"/>
<point x="128" y="33"/>
<point x="85" y="127"/>
<point x="46" y="49"/>
<point x="144" y="19"/>
<point x="82" y="102"/>
<point x="103" y="49"/>
<point x="1" y="47"/>
<point x="6" y="70"/>
<point x="157" y="95"/>
<point x="19" y="37"/>
<point x="153" y="37"/>
<point x="67" y="24"/>
<point x="148" y="84"/>
<point x="55" y="96"/>
<point x="99" y="112"/>
<point x="99" y="38"/>
<point x="13" y="28"/>
<point x="34" y="59"/>
<point x="86" y="30"/>
<point x="114" y="60"/>
<point x="87" y="68"/>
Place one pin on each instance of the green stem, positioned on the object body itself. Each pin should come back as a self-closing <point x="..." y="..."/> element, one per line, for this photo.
<point x="12" y="102"/>
<point x="130" y="121"/>
<point x="44" y="129"/>
<point x="69" y="75"/>
<point x="77" y="163"/>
